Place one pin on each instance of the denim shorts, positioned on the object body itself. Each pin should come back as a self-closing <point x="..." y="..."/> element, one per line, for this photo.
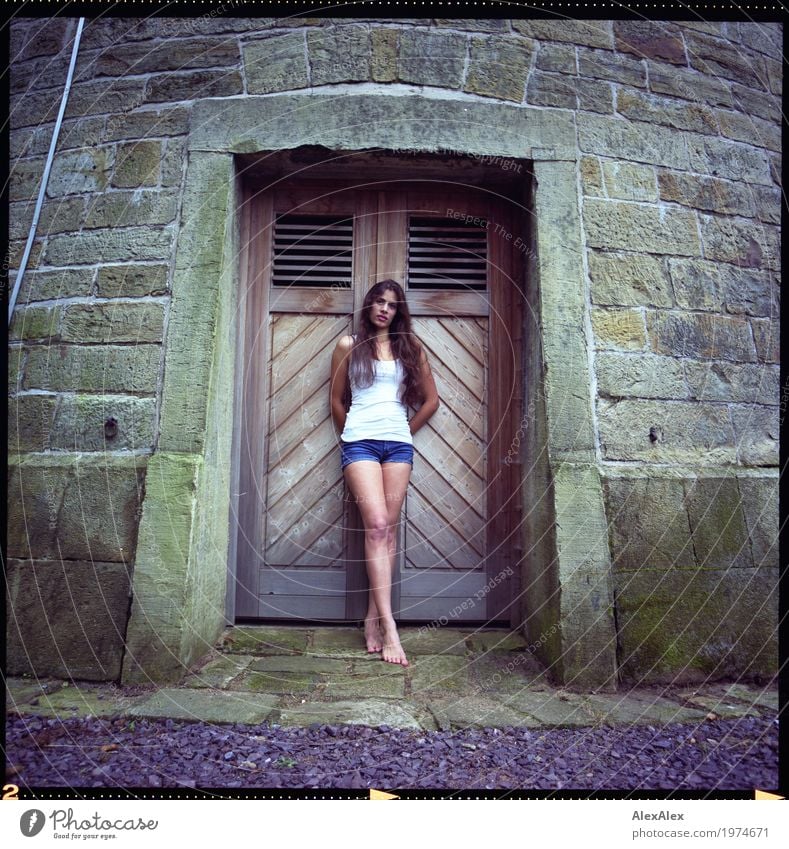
<point x="380" y="450"/>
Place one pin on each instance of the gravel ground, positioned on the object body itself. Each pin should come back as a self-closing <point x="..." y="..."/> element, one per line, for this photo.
<point x="737" y="754"/>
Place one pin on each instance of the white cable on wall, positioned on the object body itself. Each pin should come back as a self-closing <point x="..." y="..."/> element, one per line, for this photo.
<point x="45" y="179"/>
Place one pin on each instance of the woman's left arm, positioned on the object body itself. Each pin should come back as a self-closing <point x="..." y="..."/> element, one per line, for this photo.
<point x="431" y="402"/>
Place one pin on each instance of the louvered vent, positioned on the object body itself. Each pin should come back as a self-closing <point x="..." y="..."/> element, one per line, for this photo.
<point x="313" y="250"/>
<point x="444" y="253"/>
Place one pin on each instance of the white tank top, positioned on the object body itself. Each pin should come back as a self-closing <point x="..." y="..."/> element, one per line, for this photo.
<point x="376" y="411"/>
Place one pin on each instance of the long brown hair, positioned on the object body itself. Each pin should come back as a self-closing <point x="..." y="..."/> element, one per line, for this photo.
<point x="405" y="346"/>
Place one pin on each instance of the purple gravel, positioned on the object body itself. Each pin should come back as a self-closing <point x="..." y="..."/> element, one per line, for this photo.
<point x="737" y="754"/>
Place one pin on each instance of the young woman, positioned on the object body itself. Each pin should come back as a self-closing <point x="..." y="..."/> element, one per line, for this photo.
<point x="385" y="370"/>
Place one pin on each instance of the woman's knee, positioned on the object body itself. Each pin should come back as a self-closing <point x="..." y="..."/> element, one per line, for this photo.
<point x="376" y="527"/>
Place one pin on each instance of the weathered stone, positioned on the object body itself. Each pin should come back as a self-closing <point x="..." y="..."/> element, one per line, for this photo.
<point x="722" y="381"/>
<point x="35" y="495"/>
<point x="83" y="133"/>
<point x="100" y="246"/>
<point x="757" y="431"/>
<point x="445" y="641"/>
<point x="750" y="129"/>
<point x="552" y="90"/>
<point x="648" y="524"/>
<point x="105" y="97"/>
<point x="595" y="96"/>
<point x="419" y="51"/>
<point x="718" y="58"/>
<point x="558" y="58"/>
<point x="339" y="54"/>
<point x="591" y="175"/>
<point x="299" y="663"/>
<point x="30" y="422"/>
<point x="362" y="687"/>
<point x="720" y="538"/>
<point x="151" y="122"/>
<point x="36" y="322"/>
<point x="276" y="63"/>
<point x="473" y="24"/>
<point x="77" y="368"/>
<point x="438" y="672"/>
<point x="498" y="67"/>
<point x="628" y="181"/>
<point x="80" y="423"/>
<point x="266" y="641"/>
<point x="80" y="171"/>
<point x="764" y="36"/>
<point x="137" y="164"/>
<point x="767" y="337"/>
<point x="496" y="641"/>
<point x="24" y="179"/>
<point x="44" y="37"/>
<point x="589" y="33"/>
<point x="696" y="283"/>
<point x="283" y="683"/>
<point x="217" y="674"/>
<point x="619" y="328"/>
<point x="719" y="157"/>
<point x="684" y="431"/>
<point x="34" y="109"/>
<point x="556" y="709"/>
<point x="724" y="709"/>
<point x="764" y="698"/>
<point x="636" y="143"/>
<point x="17" y="357"/>
<point x="372" y="712"/>
<point x="66" y="701"/>
<point x="113" y="322"/>
<point x="505" y="671"/>
<point x="603" y="65"/>
<point x="477" y="712"/>
<point x="689" y="85"/>
<point x="774" y="70"/>
<point x="753" y="102"/>
<point x="760" y="508"/>
<point x="129" y="281"/>
<point x="119" y="60"/>
<point x="57" y="604"/>
<point x="337" y="640"/>
<point x="640" y="376"/>
<point x="701" y="335"/>
<point x="627" y="280"/>
<point x="173" y="163"/>
<point x="207" y="706"/>
<point x="638" y="106"/>
<point x="192" y="86"/>
<point x="638" y="707"/>
<point x="706" y="193"/>
<point x="635" y="227"/>
<point x="57" y="216"/>
<point x="713" y="632"/>
<point x="384" y="45"/>
<point x="125" y="209"/>
<point x="16" y="251"/>
<point x="650" y="40"/>
<point x="740" y="242"/>
<point x="767" y="201"/>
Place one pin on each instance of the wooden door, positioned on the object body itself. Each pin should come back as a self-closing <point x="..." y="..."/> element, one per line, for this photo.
<point x="318" y="249"/>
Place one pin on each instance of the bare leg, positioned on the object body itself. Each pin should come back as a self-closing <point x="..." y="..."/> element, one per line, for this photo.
<point x="369" y="482"/>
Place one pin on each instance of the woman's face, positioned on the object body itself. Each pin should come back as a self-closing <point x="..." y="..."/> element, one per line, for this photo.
<point x="383" y="309"/>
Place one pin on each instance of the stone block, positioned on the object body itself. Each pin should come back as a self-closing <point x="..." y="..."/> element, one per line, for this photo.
<point x="628" y="280"/>
<point x="371" y="712"/>
<point x="555" y="90"/>
<point x="640" y="376"/>
<point x="473" y="24"/>
<point x="703" y="285"/>
<point x="638" y="143"/>
<point x="718" y="157"/>
<point x="763" y="36"/>
<point x="328" y="641"/>
<point x="559" y="58"/>
<point x="276" y="63"/>
<point x="384" y="48"/>
<point x="636" y="227"/>
<point x="689" y="85"/>
<point x="591" y="175"/>
<point x="338" y="54"/>
<point x="706" y="193"/>
<point x="100" y="246"/>
<point x="81" y="423"/>
<point x="433" y="58"/>
<point x="555" y="709"/>
<point x="67" y="618"/>
<point x="700" y="335"/>
<point x="35" y="496"/>
<point x="56" y="216"/>
<point x="650" y="40"/>
<point x="757" y="430"/>
<point x="217" y="674"/>
<point x="196" y="85"/>
<point x="760" y="507"/>
<point x="34" y="109"/>
<point x="595" y="96"/>
<point x="282" y="683"/>
<point x="36" y="322"/>
<point x="129" y="209"/>
<point x="363" y="687"/>
<point x="130" y="281"/>
<point x="638" y="106"/>
<point x="24" y="179"/>
<point x="684" y="626"/>
<point x="120" y="60"/>
<point x="498" y="67"/>
<point x="438" y="673"/>
<point x="30" y="419"/>
<point x="638" y="708"/>
<point x="716" y="57"/>
<point x="588" y="33"/>
<point x="80" y="171"/>
<point x="750" y="129"/>
<point x="619" y="328"/>
<point x="266" y="641"/>
<point x="299" y="663"/>
<point x="141" y="125"/>
<point x="648" y="525"/>
<point x="767" y="338"/>
<point x="83" y="133"/>
<point x="733" y="382"/>
<point x="105" y="97"/>
<point x="173" y="163"/>
<point x="137" y="164"/>
<point x="207" y="706"/>
<point x="682" y="431"/>
<point x="474" y="711"/>
<point x="17" y="357"/>
<point x="747" y="244"/>
<point x="767" y="203"/>
<point x="496" y="641"/>
<point x="445" y="641"/>
<point x="113" y="322"/>
<point x="77" y="368"/>
<point x="45" y="37"/>
<point x="759" y="103"/>
<point x="629" y="181"/>
<point x="16" y="251"/>
<point x="603" y="65"/>
<point x="720" y="538"/>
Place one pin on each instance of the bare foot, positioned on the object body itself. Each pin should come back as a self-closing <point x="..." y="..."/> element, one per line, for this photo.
<point x="372" y="635"/>
<point x="392" y="650"/>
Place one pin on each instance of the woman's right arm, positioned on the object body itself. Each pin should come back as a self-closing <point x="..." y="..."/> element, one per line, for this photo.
<point x="339" y="380"/>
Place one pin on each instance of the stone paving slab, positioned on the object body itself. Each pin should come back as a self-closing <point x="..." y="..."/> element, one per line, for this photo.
<point x="719" y="705"/>
<point x="331" y="641"/>
<point x="75" y="701"/>
<point x="293" y="683"/>
<point x="633" y="707"/>
<point x="364" y="686"/>
<point x="217" y="674"/>
<point x="550" y="709"/>
<point x="754" y="695"/>
<point x="438" y="673"/>
<point x="505" y="674"/>
<point x="477" y="712"/>
<point x="206" y="706"/>
<point x="499" y="641"/>
<point x="303" y="663"/>
<point x="446" y="641"/>
<point x="371" y="712"/>
<point x="372" y="664"/>
<point x="251" y="639"/>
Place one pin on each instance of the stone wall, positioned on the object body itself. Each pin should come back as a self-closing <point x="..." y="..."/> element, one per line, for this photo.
<point x="676" y="150"/>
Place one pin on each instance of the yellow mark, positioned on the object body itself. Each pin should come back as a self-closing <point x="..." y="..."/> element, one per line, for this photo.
<point x="763" y="794"/>
<point x="379" y="794"/>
